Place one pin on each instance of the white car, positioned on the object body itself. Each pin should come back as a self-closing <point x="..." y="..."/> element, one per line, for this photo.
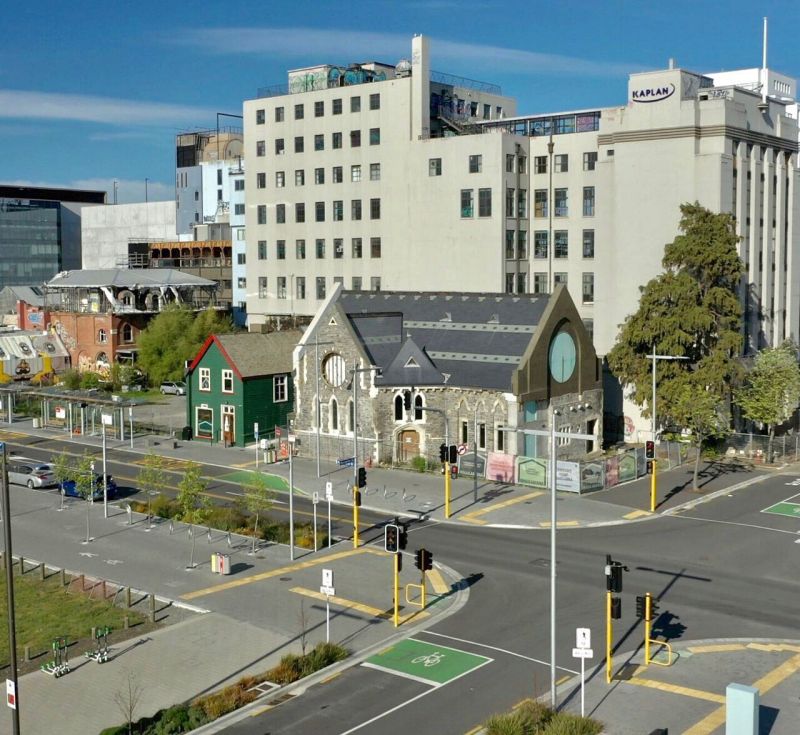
<point x="30" y="472"/>
<point x="173" y="387"/>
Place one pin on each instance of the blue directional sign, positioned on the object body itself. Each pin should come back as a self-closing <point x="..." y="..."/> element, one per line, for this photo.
<point x="346" y="462"/>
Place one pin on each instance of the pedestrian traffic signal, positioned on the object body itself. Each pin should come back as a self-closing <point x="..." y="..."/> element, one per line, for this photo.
<point x="453" y="451"/>
<point x="616" y="608"/>
<point x="407" y="400"/>
<point x="357" y="498"/>
<point x="443" y="452"/>
<point x="391" y="538"/>
<point x="650" y="466"/>
<point x="362" y="477"/>
<point x="640" y="607"/>
<point x="650" y="450"/>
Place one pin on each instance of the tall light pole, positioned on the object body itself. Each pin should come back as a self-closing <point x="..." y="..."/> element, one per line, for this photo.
<point x="105" y="418"/>
<point x="9" y="564"/>
<point x="553" y="435"/>
<point x="653" y="484"/>
<point x="145" y="190"/>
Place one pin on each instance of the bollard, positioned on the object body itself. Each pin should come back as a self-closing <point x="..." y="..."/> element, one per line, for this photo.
<point x="82" y="579"/>
<point x="125" y="622"/>
<point x="94" y="632"/>
<point x="27" y="653"/>
<point x="127" y="597"/>
<point x="152" y="608"/>
<point x="21" y="566"/>
<point x="63" y="577"/>
<point x="42" y="571"/>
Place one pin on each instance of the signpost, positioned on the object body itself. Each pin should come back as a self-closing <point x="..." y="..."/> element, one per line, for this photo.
<point x="329" y="498"/>
<point x="315" y="501"/>
<point x="346" y="462"/>
<point x="583" y="650"/>
<point x="255" y="435"/>
<point x="106" y="419"/>
<point x="329" y="591"/>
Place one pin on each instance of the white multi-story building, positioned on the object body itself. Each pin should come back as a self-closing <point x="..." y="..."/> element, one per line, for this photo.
<point x="419" y="182"/>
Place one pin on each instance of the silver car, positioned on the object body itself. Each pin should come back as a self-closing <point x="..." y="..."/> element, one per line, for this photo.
<point x="174" y="387"/>
<point x="30" y="472"/>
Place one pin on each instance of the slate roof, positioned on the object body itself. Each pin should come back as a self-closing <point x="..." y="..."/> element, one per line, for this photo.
<point x="462" y="339"/>
<point x="132" y="278"/>
<point x="29" y="294"/>
<point x="254" y="355"/>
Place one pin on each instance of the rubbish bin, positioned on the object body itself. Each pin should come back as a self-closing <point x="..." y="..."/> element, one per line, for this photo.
<point x="186" y="433"/>
<point x="224" y="563"/>
<point x="215" y="563"/>
<point x="36" y="423"/>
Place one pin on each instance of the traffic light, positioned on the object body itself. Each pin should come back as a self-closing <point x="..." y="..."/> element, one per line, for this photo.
<point x="454" y="471"/>
<point x="443" y="452"/>
<point x="391" y="538"/>
<point x="653" y="608"/>
<point x="407" y="400"/>
<point x="418" y="558"/>
<point x="453" y="451"/>
<point x="616" y="608"/>
<point x="357" y="498"/>
<point x="650" y="450"/>
<point x="650" y="465"/>
<point x="427" y="560"/>
<point x="614" y="575"/>
<point x="640" y="607"/>
<point x="362" y="477"/>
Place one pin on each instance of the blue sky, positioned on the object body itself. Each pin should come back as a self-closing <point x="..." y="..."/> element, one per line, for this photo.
<point x="90" y="93"/>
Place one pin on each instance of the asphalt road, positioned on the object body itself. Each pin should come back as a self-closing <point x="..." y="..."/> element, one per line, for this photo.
<point x="723" y="569"/>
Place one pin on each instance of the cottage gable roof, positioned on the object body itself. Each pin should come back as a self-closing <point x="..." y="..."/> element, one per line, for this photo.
<point x="253" y="355"/>
<point x="477" y="339"/>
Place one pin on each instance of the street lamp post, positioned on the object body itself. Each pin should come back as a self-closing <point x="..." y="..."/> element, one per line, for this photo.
<point x="105" y="419"/>
<point x="654" y="357"/>
<point x="553" y="435"/>
<point x="9" y="564"/>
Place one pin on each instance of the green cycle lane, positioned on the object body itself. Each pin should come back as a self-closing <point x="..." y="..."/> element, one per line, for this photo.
<point x="425" y="662"/>
<point x="784" y="509"/>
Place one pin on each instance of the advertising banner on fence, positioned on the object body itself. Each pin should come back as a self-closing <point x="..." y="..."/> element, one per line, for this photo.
<point x="627" y="466"/>
<point x="568" y="476"/>
<point x="592" y="476"/>
<point x="500" y="467"/>
<point x="467" y="462"/>
<point x="612" y="471"/>
<point x="532" y="471"/>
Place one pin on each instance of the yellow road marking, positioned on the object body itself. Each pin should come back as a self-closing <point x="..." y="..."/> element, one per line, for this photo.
<point x="674" y="689"/>
<point x="716" y="648"/>
<point x="277" y="572"/>
<point x="261" y="710"/>
<point x="375" y="612"/>
<point x="331" y="677"/>
<point x="562" y="680"/>
<point x="440" y="587"/>
<point x="560" y="524"/>
<point x="472" y="517"/>
<point x="717" y="718"/>
<point x="636" y="514"/>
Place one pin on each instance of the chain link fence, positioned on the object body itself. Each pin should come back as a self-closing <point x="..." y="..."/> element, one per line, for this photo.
<point x="755" y="447"/>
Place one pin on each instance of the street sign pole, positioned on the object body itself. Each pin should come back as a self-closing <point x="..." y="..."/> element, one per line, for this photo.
<point x="328" y="590"/>
<point x="329" y="497"/>
<point x="315" y="502"/>
<point x="291" y="505"/>
<point x="9" y="564"/>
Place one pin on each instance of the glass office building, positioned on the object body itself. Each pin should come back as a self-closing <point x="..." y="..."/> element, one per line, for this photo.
<point x="40" y="232"/>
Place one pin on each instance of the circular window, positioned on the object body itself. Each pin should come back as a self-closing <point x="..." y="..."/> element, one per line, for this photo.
<point x="562" y="357"/>
<point x="334" y="369"/>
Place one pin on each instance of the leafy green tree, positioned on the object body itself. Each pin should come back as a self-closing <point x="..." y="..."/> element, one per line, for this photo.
<point x="192" y="501"/>
<point x="152" y="478"/>
<point x="692" y="310"/>
<point x="697" y="407"/>
<point x="63" y="470"/>
<point x="771" y="391"/>
<point x="258" y="498"/>
<point x="173" y="337"/>
<point x="83" y="476"/>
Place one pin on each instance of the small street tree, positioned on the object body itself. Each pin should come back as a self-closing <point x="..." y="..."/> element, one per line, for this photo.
<point x="771" y="391"/>
<point x="193" y="504"/>
<point x="258" y="498"/>
<point x="63" y="470"/>
<point x="152" y="478"/>
<point x="697" y="407"/>
<point x="83" y="476"/>
<point x="692" y="310"/>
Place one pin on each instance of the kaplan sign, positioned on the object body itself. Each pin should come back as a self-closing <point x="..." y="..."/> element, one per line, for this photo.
<point x="653" y="94"/>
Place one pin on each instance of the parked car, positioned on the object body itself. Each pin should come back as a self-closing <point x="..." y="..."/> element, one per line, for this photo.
<point x="30" y="472"/>
<point x="69" y="488"/>
<point x="173" y="387"/>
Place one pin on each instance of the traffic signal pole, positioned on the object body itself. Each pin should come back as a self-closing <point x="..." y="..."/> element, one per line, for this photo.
<point x="609" y="636"/>
<point x="396" y="565"/>
<point x="653" y="487"/>
<point x="647" y="626"/>
<point x="447" y="488"/>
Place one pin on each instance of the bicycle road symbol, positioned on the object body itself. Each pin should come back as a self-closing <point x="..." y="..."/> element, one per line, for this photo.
<point x="430" y="660"/>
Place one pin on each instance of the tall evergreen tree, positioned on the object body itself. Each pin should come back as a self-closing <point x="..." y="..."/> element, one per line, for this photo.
<point x="692" y="309"/>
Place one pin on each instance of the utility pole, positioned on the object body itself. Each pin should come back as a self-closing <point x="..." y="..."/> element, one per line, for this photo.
<point x="291" y="493"/>
<point x="9" y="564"/>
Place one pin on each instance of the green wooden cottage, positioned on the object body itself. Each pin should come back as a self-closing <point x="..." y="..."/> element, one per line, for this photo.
<point x="237" y="381"/>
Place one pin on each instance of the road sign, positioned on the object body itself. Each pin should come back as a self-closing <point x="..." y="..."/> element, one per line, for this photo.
<point x="327" y="577"/>
<point x="292" y="438"/>
<point x="315" y="497"/>
<point x="255" y="430"/>
<point x="582" y="653"/>
<point x="327" y="591"/>
<point x="11" y="694"/>
<point x="277" y="431"/>
<point x="108" y="419"/>
<point x="346" y="462"/>
<point x="583" y="638"/>
<point x="462" y="448"/>
<point x="329" y="490"/>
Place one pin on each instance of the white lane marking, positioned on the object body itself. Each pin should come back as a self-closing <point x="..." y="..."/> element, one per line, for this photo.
<point x="414" y="699"/>
<point x="394" y="672"/>
<point x="733" y="523"/>
<point x="499" y="650"/>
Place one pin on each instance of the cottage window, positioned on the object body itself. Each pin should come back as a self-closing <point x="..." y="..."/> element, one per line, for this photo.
<point x="279" y="392"/>
<point x="227" y="381"/>
<point x="205" y="380"/>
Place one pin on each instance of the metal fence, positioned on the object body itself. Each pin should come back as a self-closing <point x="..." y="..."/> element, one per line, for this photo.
<point x="755" y="447"/>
